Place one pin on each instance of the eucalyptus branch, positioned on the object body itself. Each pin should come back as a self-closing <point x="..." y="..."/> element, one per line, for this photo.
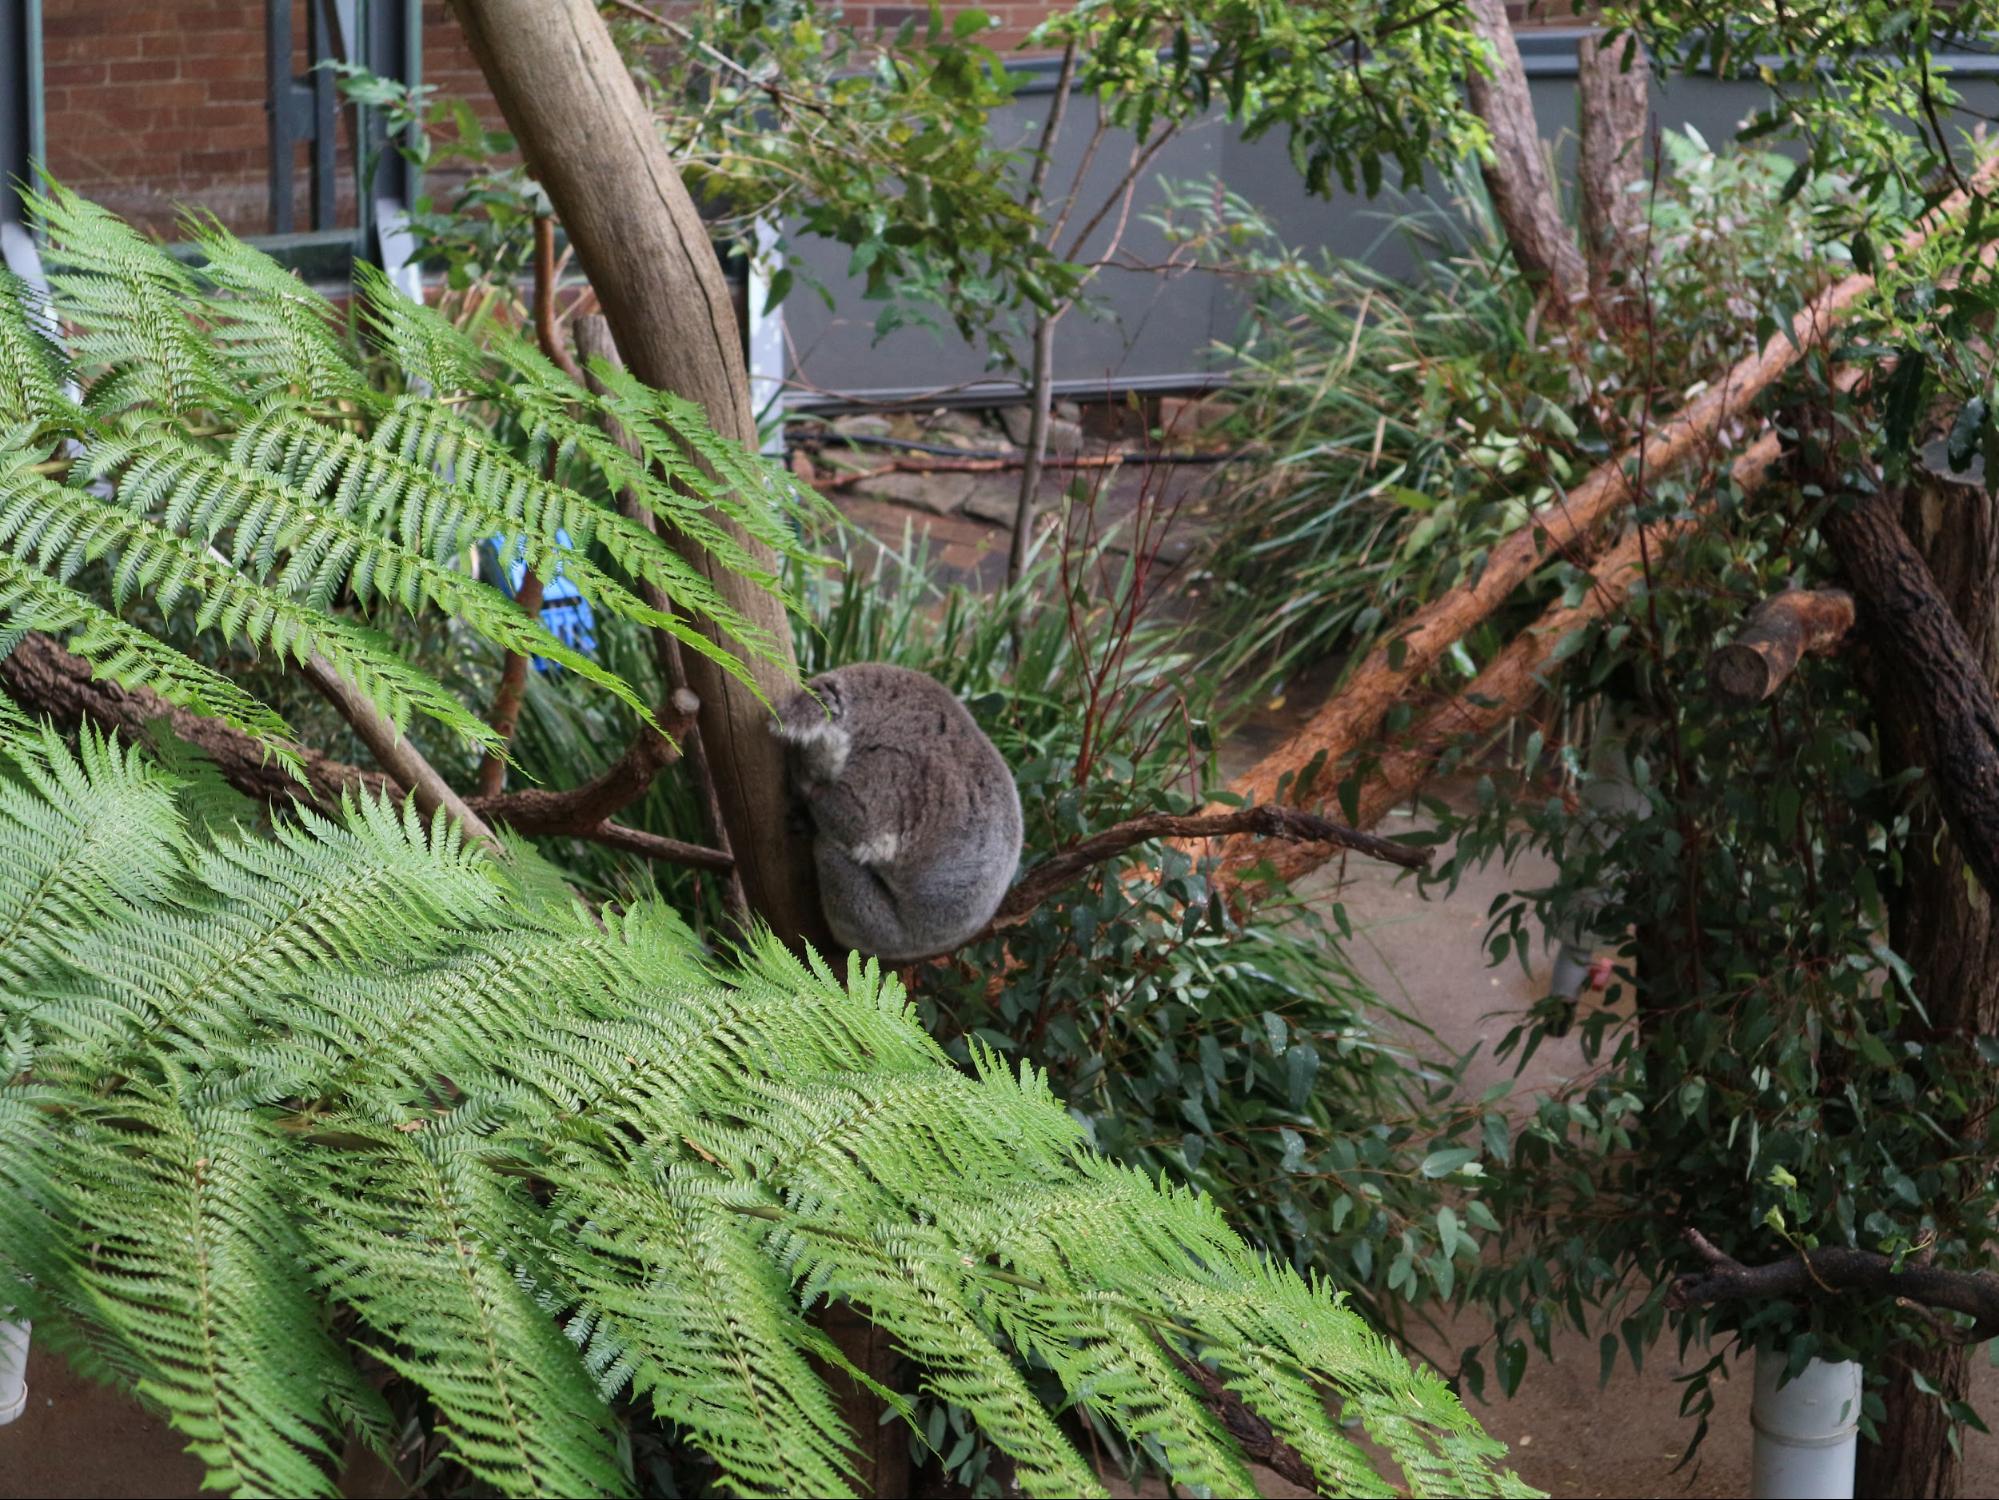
<point x="1838" y="1269"/>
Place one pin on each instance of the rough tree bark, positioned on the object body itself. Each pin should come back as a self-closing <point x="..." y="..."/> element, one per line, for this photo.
<point x="1516" y="173"/>
<point x="1946" y="929"/>
<point x="1613" y="103"/>
<point x="591" y="142"/>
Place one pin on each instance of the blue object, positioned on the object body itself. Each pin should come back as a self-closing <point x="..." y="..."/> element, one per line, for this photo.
<point x="564" y="611"/>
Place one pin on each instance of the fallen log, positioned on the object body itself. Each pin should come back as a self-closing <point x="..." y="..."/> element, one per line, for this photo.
<point x="1354" y="716"/>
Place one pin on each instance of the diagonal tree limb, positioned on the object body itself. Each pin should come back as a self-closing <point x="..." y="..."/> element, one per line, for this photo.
<point x="1516" y="168"/>
<point x="1353" y="716"/>
<point x="393" y="752"/>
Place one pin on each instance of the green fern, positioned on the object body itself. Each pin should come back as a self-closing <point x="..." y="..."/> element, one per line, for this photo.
<point x="226" y="449"/>
<point x="271" y="1101"/>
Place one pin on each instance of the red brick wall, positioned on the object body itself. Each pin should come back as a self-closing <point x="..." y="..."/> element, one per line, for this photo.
<point x="156" y="103"/>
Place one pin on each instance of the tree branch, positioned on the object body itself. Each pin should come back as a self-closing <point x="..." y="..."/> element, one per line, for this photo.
<point x="1516" y="171"/>
<point x="43" y="677"/>
<point x="1061" y="870"/>
<point x="1252" y="1434"/>
<point x="616" y="787"/>
<point x="1781" y="632"/>
<point x="1349" y="720"/>
<point x="1835" y="1270"/>
<point x="393" y="752"/>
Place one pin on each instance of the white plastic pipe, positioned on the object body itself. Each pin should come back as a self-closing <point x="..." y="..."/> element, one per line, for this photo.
<point x="1807" y="1431"/>
<point x="13" y="1371"/>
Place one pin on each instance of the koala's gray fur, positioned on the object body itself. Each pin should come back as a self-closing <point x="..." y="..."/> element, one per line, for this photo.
<point x="915" y="818"/>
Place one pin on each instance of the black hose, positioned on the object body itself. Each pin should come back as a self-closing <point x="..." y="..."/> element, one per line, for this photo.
<point x="944" y="450"/>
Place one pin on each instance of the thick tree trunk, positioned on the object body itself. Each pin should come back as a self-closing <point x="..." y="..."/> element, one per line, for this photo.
<point x="1613" y="102"/>
<point x="1516" y="173"/>
<point x="1945" y="927"/>
<point x="591" y="142"/>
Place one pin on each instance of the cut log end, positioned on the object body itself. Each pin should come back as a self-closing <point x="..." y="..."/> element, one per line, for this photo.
<point x="1783" y="630"/>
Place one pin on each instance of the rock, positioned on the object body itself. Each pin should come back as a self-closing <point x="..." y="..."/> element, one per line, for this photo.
<point x="861" y="424"/>
<point x="1064" y="434"/>
<point x="1070" y="411"/>
<point x="940" y="494"/>
<point x="1182" y="419"/>
<point x="994" y="498"/>
<point x="956" y="420"/>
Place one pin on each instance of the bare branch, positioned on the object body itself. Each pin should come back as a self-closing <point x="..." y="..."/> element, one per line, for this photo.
<point x="620" y="784"/>
<point x="1060" y="870"/>
<point x="1782" y="631"/>
<point x="1836" y="1270"/>
<point x="393" y="752"/>
<point x="43" y="677"/>
<point x="1516" y="172"/>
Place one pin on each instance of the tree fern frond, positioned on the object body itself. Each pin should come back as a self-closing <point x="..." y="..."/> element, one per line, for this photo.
<point x="61" y="529"/>
<point x="541" y="1159"/>
<point x="126" y="301"/>
<point x="701" y="1322"/>
<point x="419" y="1240"/>
<point x="276" y="332"/>
<point x="32" y="369"/>
<point x="281" y="537"/>
<point x="85" y="837"/>
<point x="192" y="1232"/>
<point x="436" y="438"/>
<point x="132" y="658"/>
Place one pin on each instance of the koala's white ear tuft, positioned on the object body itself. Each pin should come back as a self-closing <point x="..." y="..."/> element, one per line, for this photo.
<point x="807" y="732"/>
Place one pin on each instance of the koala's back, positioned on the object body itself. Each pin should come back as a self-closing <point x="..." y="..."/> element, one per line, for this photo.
<point x="916" y="818"/>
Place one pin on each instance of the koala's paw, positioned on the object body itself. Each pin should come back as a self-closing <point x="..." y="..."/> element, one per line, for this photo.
<point x="879" y="850"/>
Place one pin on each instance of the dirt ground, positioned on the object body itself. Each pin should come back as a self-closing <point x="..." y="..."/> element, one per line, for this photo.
<point x="1567" y="1435"/>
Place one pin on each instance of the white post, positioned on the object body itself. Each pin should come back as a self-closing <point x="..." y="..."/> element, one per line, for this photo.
<point x="13" y="1371"/>
<point x="766" y="340"/>
<point x="1807" y="1431"/>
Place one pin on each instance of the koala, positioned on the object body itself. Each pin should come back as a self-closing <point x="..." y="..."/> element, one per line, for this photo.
<point x="915" y="818"/>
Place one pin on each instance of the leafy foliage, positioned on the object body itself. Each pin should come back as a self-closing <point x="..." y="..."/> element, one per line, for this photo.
<point x="274" y="1103"/>
<point x="219" y="448"/>
<point x="1418" y="423"/>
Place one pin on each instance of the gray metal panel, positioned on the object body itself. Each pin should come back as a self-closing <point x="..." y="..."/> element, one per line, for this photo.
<point x="1160" y="334"/>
